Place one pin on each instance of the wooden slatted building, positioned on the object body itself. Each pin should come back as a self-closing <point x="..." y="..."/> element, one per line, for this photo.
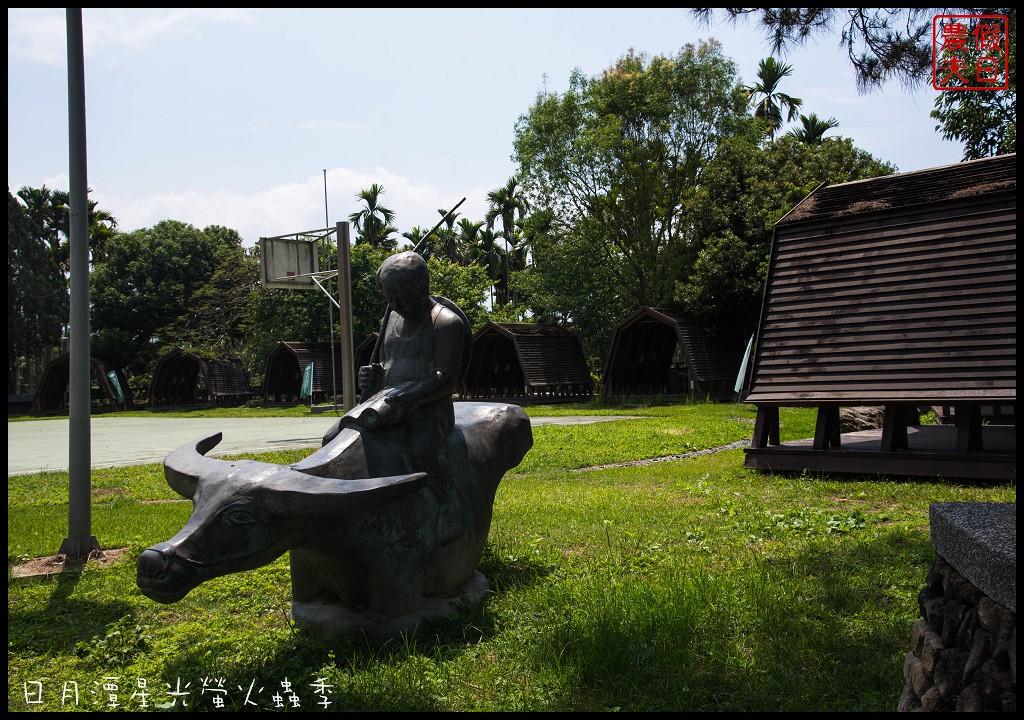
<point x="899" y="292"/>
<point x="185" y="379"/>
<point x="108" y="386"/>
<point x="286" y="364"/>
<point x="659" y="351"/>
<point x="527" y="362"/>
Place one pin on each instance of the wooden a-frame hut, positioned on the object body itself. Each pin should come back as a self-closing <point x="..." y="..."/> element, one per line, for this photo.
<point x="286" y="364"/>
<point x="659" y="351"/>
<point x="527" y="362"/>
<point x="186" y="379"/>
<point x="897" y="292"/>
<point x="109" y="386"/>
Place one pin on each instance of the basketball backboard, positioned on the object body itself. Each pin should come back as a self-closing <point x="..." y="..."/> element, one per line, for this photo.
<point x="288" y="263"/>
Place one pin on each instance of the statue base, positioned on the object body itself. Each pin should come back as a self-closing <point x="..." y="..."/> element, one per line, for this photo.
<point x="324" y="619"/>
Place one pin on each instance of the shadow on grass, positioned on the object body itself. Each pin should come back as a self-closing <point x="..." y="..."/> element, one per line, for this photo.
<point x="60" y="626"/>
<point x="825" y="630"/>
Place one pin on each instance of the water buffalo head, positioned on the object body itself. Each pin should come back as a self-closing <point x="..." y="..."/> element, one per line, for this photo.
<point x="247" y="514"/>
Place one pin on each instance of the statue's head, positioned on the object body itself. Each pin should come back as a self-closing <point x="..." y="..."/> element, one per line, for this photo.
<point x="405" y="281"/>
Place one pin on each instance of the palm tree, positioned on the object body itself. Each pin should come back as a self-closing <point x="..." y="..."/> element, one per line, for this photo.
<point x="506" y="203"/>
<point x="771" y="103"/>
<point x="488" y="255"/>
<point x="443" y="243"/>
<point x="373" y="222"/>
<point x="102" y="226"/>
<point x="42" y="213"/>
<point x="466" y="239"/>
<point x="415" y="236"/>
<point x="49" y="211"/>
<point x="813" y="129"/>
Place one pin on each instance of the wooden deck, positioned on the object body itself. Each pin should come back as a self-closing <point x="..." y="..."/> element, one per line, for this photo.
<point x="931" y="452"/>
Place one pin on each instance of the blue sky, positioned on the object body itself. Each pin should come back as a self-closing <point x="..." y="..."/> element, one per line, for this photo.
<point x="231" y="116"/>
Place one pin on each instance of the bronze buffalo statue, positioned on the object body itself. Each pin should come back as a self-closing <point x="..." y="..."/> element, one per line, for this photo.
<point x="361" y="526"/>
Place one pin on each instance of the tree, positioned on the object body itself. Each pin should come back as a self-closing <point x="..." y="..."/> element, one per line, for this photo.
<point x="985" y="122"/>
<point x="43" y="216"/>
<point x="506" y="203"/>
<point x="897" y="44"/>
<point x="744" y="191"/>
<point x="37" y="300"/>
<point x="812" y="129"/>
<point x="488" y="255"/>
<point x="415" y="237"/>
<point x="769" y="102"/>
<point x="217" y="320"/>
<point x="882" y="43"/>
<point x="614" y="162"/>
<point x="50" y="214"/>
<point x="444" y="243"/>
<point x="373" y="222"/>
<point x="466" y="285"/>
<point x="102" y="226"/>
<point x="147" y="283"/>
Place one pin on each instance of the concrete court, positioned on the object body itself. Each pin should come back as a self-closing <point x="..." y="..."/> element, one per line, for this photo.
<point x="42" y="445"/>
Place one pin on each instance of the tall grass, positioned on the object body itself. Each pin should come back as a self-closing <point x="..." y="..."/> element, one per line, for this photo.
<point x="687" y="585"/>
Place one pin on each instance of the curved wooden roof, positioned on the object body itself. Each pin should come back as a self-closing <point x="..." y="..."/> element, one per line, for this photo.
<point x="52" y="389"/>
<point x="901" y="288"/>
<point x="514" y="359"/>
<point x="287" y="362"/>
<point x="176" y="374"/>
<point x="644" y="344"/>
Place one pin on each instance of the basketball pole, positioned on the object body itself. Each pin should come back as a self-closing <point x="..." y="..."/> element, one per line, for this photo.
<point x="348" y="356"/>
<point x="330" y="313"/>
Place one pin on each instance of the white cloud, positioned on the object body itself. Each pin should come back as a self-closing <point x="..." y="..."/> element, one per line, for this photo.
<point x="294" y="207"/>
<point x="39" y="35"/>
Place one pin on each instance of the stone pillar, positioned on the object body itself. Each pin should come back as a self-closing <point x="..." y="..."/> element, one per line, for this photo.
<point x="963" y="654"/>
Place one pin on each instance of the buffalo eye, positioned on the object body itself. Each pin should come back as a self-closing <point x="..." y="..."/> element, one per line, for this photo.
<point x="238" y="516"/>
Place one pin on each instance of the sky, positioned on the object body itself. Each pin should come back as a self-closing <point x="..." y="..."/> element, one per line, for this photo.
<point x="271" y="121"/>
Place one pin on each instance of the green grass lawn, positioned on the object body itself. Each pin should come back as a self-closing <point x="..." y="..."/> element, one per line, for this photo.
<point x="687" y="585"/>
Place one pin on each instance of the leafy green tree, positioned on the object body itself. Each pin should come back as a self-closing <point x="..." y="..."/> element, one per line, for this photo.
<point x="146" y="283"/>
<point x="466" y="239"/>
<point x="984" y="121"/>
<point x="373" y="221"/>
<point x="368" y="304"/>
<point x="37" y="300"/>
<point x="572" y="290"/>
<point x="614" y="162"/>
<point x="43" y="216"/>
<point x="415" y="238"/>
<point x="769" y="102"/>
<point x="812" y="129"/>
<point x="882" y="43"/>
<point x="218" y="317"/>
<point x="886" y="44"/>
<point x="744" y="191"/>
<point x="466" y="285"/>
<point x="50" y="214"/>
<point x="506" y="203"/>
<point x="102" y="226"/>
<point x="488" y="255"/>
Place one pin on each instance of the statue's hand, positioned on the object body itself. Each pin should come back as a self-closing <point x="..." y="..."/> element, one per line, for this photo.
<point x="370" y="379"/>
<point x="394" y="408"/>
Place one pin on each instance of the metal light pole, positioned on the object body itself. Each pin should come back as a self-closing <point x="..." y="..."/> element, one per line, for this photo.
<point x="80" y="540"/>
